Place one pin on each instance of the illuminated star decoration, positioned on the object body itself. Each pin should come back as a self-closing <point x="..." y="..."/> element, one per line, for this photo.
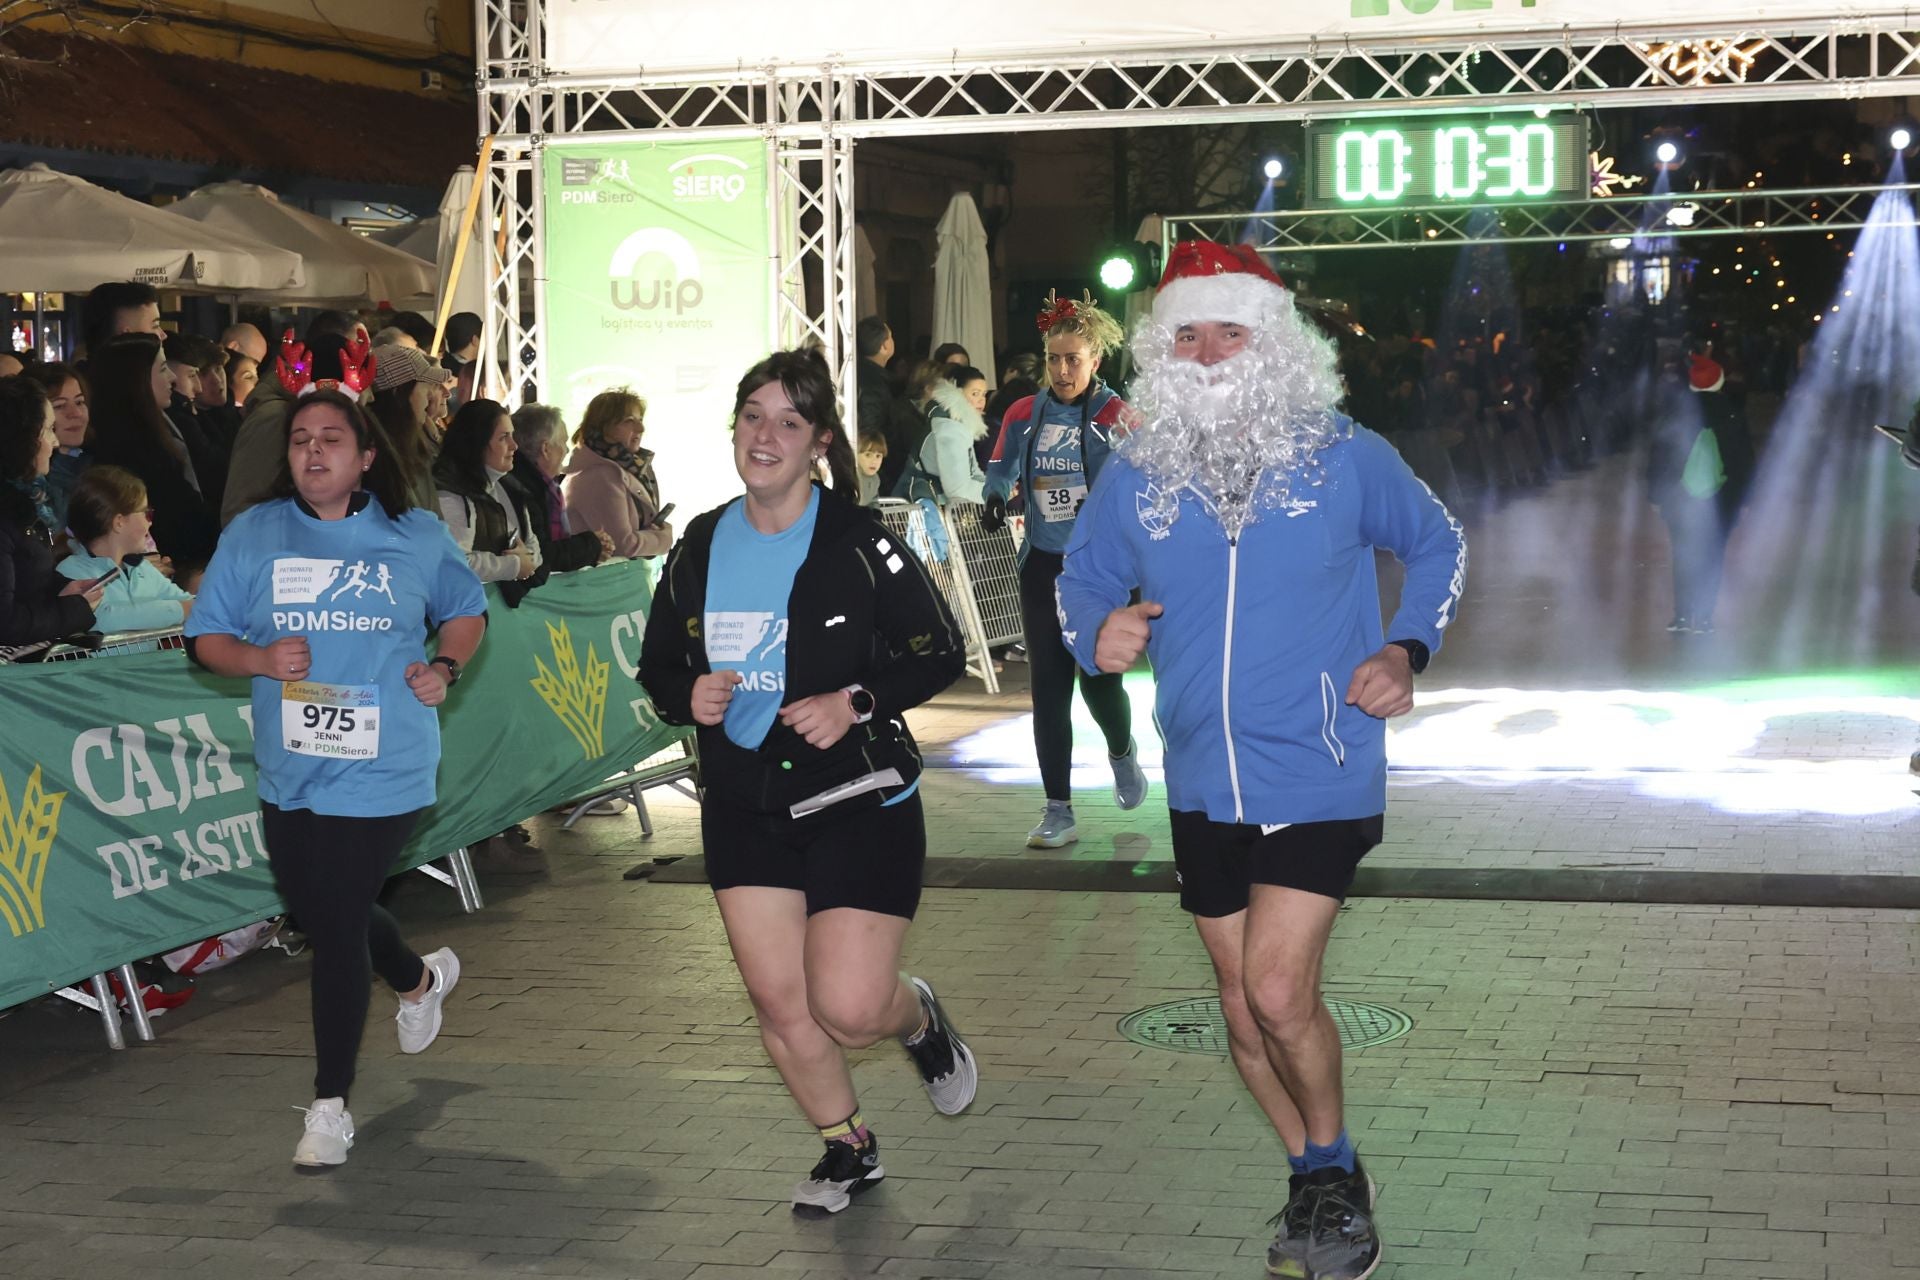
<point x="1606" y="181"/>
<point x="1699" y="62"/>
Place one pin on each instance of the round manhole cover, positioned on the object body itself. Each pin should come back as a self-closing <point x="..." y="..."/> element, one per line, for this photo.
<point x="1197" y="1026"/>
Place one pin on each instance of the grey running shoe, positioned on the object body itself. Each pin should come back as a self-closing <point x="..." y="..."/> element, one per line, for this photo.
<point x="1129" y="782"/>
<point x="843" y="1173"/>
<point x="946" y="1064"/>
<point x="1342" y="1243"/>
<point x="1287" y="1255"/>
<point x="1057" y="827"/>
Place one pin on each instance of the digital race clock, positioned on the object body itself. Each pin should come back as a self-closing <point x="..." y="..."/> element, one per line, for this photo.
<point x="1380" y="162"/>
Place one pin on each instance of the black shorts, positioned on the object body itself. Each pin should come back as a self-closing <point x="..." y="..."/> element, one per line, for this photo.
<point x="870" y="859"/>
<point x="1220" y="862"/>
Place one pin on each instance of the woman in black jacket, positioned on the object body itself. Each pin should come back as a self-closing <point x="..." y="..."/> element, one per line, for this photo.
<point x="131" y="388"/>
<point x="36" y="604"/>
<point x="795" y="631"/>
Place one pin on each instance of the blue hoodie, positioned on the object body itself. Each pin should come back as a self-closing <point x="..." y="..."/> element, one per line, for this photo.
<point x="141" y="599"/>
<point x="1063" y="453"/>
<point x="1260" y="638"/>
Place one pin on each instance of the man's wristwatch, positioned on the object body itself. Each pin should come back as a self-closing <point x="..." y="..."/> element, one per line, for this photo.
<point x="861" y="701"/>
<point x="453" y="668"/>
<point x="1418" y="654"/>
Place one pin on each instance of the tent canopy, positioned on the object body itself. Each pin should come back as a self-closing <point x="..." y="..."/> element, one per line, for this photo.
<point x="963" y="285"/>
<point x="60" y="234"/>
<point x="342" y="268"/>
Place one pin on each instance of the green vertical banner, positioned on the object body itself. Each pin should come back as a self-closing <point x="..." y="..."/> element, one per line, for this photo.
<point x="659" y="278"/>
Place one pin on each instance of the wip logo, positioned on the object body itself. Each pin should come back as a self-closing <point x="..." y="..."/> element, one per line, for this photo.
<point x="655" y="269"/>
<point x="703" y="179"/>
<point x="575" y="693"/>
<point x="26" y="843"/>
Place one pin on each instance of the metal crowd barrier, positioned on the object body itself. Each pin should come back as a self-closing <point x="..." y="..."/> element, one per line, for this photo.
<point x="977" y="572"/>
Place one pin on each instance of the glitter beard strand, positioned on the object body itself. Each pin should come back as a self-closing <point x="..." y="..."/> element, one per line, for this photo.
<point x="1265" y="412"/>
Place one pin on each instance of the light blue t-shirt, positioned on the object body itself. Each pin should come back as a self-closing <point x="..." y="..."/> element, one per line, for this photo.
<point x="749" y="581"/>
<point x="1057" y="478"/>
<point x="363" y="591"/>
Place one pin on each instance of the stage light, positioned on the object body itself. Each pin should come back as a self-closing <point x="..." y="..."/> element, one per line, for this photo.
<point x="1117" y="273"/>
<point x="1273" y="168"/>
<point x="1901" y="138"/>
<point x="1666" y="152"/>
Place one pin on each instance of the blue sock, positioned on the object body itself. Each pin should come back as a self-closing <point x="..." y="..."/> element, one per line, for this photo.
<point x="1339" y="1155"/>
<point x="1297" y="1165"/>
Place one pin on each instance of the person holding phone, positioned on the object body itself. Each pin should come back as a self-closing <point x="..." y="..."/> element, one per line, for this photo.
<point x="795" y="632"/>
<point x="107" y="512"/>
<point x="323" y="596"/>
<point x="609" y="479"/>
<point x="37" y="605"/>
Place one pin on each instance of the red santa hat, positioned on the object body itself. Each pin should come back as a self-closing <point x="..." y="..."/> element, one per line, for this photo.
<point x="1222" y="283"/>
<point x="1704" y="373"/>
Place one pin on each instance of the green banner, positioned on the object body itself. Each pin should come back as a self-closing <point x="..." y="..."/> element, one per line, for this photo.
<point x="659" y="277"/>
<point x="129" y="820"/>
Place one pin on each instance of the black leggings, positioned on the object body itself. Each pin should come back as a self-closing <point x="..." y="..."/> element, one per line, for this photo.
<point x="330" y="871"/>
<point x="1050" y="671"/>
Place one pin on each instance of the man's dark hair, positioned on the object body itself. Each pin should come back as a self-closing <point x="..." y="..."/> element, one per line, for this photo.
<point x="96" y="314"/>
<point x="193" y="350"/>
<point x="462" y="328"/>
<point x="869" y="336"/>
<point x="338" y="323"/>
<point x="945" y="352"/>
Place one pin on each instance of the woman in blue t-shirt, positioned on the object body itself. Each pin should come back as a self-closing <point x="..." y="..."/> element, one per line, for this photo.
<point x="796" y="632"/>
<point x="1052" y="447"/>
<point x="323" y="596"/>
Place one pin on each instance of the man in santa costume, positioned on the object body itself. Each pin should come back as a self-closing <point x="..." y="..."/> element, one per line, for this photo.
<point x="1245" y="510"/>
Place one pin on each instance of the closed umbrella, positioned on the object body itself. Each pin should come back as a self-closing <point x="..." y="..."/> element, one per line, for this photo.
<point x="60" y="234"/>
<point x="343" y="269"/>
<point x="866" y="293"/>
<point x="470" y="290"/>
<point x="963" y="284"/>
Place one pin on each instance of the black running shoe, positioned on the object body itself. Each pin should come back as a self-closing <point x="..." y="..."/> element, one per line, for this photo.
<point x="1287" y="1255"/>
<point x="945" y="1062"/>
<point x="1342" y="1243"/>
<point x="843" y="1173"/>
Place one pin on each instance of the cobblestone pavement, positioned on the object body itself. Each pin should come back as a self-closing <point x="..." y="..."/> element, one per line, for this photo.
<point x="1588" y="1091"/>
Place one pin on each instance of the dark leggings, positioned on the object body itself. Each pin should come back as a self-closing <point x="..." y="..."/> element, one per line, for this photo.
<point x="1051" y="669"/>
<point x="330" y="871"/>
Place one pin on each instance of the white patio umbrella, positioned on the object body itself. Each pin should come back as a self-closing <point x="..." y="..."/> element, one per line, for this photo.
<point x="470" y="290"/>
<point x="963" y="285"/>
<point x="421" y="237"/>
<point x="343" y="269"/>
<point x="866" y="293"/>
<point x="61" y="234"/>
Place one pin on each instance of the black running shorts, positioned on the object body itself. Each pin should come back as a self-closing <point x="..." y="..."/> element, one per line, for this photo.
<point x="1219" y="862"/>
<point x="870" y="859"/>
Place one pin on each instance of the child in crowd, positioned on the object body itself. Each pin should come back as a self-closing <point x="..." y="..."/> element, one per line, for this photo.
<point x="107" y="513"/>
<point x="873" y="452"/>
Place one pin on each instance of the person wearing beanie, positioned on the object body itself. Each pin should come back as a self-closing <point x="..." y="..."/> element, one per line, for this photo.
<point x="1245" y="509"/>
<point x="1052" y="447"/>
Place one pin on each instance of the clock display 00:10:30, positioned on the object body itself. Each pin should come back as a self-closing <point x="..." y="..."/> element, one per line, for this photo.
<point x="1406" y="163"/>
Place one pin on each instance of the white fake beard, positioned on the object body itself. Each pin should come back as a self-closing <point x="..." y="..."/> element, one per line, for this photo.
<point x="1260" y="415"/>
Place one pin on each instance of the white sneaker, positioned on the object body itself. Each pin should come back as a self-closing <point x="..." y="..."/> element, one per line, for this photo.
<point x="328" y="1137"/>
<point x="419" y="1021"/>
<point x="607" y="807"/>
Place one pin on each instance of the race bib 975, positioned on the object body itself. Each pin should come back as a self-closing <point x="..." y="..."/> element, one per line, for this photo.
<point x="337" y="721"/>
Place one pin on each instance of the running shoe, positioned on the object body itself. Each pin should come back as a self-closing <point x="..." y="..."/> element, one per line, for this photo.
<point x="1057" y="827"/>
<point x="329" y="1134"/>
<point x="945" y="1062"/>
<point x="843" y="1173"/>
<point x="419" y="1020"/>
<point x="1287" y="1255"/>
<point x="1342" y="1243"/>
<point x="1129" y="780"/>
<point x="1679" y="625"/>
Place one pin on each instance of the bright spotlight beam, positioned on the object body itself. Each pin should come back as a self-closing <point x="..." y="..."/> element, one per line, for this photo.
<point x="1273" y="169"/>
<point x="1666" y="153"/>
<point x="1901" y="139"/>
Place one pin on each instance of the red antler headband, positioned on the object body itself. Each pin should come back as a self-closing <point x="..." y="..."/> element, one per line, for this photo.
<point x="295" y="366"/>
<point x="1055" y="309"/>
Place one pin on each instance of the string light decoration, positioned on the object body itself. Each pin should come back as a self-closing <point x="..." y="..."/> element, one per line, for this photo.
<point x="1702" y="62"/>
<point x="1606" y="179"/>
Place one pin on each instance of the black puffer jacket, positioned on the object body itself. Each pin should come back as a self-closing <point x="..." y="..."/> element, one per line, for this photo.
<point x="862" y="611"/>
<point x="32" y="609"/>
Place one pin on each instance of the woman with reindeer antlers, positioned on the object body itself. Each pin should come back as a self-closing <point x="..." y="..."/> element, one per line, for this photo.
<point x="1052" y="446"/>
